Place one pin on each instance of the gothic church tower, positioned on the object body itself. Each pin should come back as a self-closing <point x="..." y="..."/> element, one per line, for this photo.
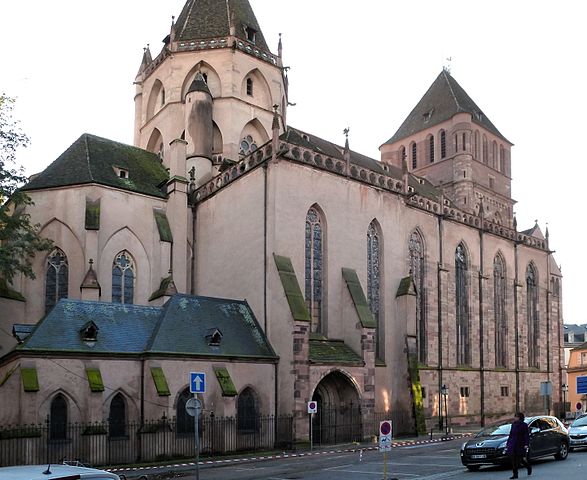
<point x="448" y="140"/>
<point x="214" y="84"/>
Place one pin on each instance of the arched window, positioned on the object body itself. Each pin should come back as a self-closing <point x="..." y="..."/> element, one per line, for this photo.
<point x="184" y="424"/>
<point x="501" y="158"/>
<point x="462" y="306"/>
<point x="532" y="315"/>
<point x="416" y="250"/>
<point x="431" y="148"/>
<point x="485" y="150"/>
<point x="374" y="278"/>
<point x="56" y="278"/>
<point x="402" y="154"/>
<point x="442" y="144"/>
<point x="476" y="145"/>
<point x="250" y="87"/>
<point x="123" y="278"/>
<point x="456" y="142"/>
<point x="248" y="146"/>
<point x="464" y="147"/>
<point x="117" y="416"/>
<point x="58" y="418"/>
<point x="494" y="153"/>
<point x="499" y="295"/>
<point x="314" y="266"/>
<point x="414" y="156"/>
<point x="246" y="411"/>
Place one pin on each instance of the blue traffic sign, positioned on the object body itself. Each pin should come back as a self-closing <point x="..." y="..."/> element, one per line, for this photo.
<point x="581" y="385"/>
<point x="197" y="382"/>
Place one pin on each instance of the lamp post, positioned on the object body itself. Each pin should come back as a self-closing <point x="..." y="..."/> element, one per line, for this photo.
<point x="565" y="389"/>
<point x="444" y="392"/>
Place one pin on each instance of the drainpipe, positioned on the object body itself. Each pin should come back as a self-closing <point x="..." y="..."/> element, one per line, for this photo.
<point x="194" y="220"/>
<point x="439" y="301"/>
<point x="481" y="343"/>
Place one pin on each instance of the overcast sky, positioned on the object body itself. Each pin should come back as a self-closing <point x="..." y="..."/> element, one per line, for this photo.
<point x="71" y="64"/>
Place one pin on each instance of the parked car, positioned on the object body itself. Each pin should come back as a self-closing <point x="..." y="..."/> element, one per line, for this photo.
<point x="54" y="472"/>
<point x="578" y="432"/>
<point x="548" y="436"/>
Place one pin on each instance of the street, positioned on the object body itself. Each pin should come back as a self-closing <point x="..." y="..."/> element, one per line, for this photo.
<point x="426" y="461"/>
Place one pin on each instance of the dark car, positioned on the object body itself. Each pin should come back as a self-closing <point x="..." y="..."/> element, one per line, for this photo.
<point x="578" y="432"/>
<point x="548" y="436"/>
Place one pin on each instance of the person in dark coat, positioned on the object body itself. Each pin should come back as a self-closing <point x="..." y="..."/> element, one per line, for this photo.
<point x="518" y="444"/>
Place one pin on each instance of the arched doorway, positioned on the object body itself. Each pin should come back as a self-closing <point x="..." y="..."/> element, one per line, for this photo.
<point x="339" y="411"/>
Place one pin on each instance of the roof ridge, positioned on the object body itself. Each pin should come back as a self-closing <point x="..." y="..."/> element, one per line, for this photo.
<point x="189" y="13"/>
<point x="444" y="72"/>
<point x="87" y="148"/>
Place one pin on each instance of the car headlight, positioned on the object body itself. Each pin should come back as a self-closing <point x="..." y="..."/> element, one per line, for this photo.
<point x="463" y="446"/>
<point x="502" y="444"/>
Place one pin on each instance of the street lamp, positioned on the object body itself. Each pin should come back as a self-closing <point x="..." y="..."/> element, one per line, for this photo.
<point x="444" y="392"/>
<point x="565" y="389"/>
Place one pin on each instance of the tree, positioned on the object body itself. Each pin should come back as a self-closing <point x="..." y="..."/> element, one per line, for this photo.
<point x="19" y="239"/>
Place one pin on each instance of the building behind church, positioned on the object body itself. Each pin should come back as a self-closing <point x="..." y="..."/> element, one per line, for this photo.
<point x="286" y="267"/>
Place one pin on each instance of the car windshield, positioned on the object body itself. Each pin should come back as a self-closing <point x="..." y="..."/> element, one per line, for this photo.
<point x="495" y="430"/>
<point x="580" y="422"/>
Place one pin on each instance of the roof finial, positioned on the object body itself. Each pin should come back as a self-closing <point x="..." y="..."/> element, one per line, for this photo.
<point x="515" y="222"/>
<point x="447" y="66"/>
<point x="346" y="142"/>
<point x="91" y="262"/>
<point x="279" y="47"/>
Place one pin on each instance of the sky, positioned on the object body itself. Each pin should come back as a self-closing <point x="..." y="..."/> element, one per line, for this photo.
<point x="363" y="65"/>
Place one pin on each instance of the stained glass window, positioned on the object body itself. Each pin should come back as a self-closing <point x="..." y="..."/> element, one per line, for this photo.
<point x="117" y="416"/>
<point x="462" y="306"/>
<point x="414" y="156"/>
<point x="56" y="278"/>
<point x="313" y="267"/>
<point x="499" y="294"/>
<point x="416" y="250"/>
<point x="442" y="144"/>
<point x="431" y="148"/>
<point x="246" y="411"/>
<point x="123" y="278"/>
<point x="374" y="278"/>
<point x="248" y="145"/>
<point x="532" y="315"/>
<point x="58" y="418"/>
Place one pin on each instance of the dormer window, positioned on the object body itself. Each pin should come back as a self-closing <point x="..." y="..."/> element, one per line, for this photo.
<point x="250" y="87"/>
<point x="121" y="172"/>
<point x="214" y="337"/>
<point x="89" y="332"/>
<point x="427" y="116"/>
<point x="250" y="33"/>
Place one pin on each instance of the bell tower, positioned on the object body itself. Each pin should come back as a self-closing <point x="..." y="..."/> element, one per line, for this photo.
<point x="213" y="84"/>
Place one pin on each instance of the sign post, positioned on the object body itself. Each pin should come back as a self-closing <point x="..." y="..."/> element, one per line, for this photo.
<point x="312" y="409"/>
<point x="194" y="407"/>
<point x="385" y="436"/>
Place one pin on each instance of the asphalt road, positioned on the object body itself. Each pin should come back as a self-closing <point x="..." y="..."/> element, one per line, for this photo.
<point x="425" y="462"/>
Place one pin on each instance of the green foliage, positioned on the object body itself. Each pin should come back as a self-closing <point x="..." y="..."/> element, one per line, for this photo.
<point x="417" y="395"/>
<point x="19" y="239"/>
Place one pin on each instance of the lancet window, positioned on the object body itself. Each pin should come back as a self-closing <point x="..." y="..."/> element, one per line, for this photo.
<point x="247" y="411"/>
<point x="462" y="306"/>
<point x="56" y="278"/>
<point x="532" y="315"/>
<point x="123" y="278"/>
<point x="314" y="266"/>
<point x="416" y="251"/>
<point x="499" y="308"/>
<point x="374" y="278"/>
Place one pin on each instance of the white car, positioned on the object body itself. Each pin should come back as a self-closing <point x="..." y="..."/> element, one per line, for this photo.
<point x="54" y="472"/>
<point x="578" y="432"/>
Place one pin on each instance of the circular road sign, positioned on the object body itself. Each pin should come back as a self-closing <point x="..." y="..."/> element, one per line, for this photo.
<point x="385" y="428"/>
<point x="579" y="406"/>
<point x="193" y="406"/>
<point x="313" y="407"/>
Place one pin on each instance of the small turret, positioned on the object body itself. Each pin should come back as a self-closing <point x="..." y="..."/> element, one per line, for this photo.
<point x="199" y="129"/>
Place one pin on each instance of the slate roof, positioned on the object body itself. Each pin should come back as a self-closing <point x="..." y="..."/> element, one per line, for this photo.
<point x="443" y="100"/>
<point x="177" y="328"/>
<point x="298" y="137"/>
<point x="91" y="159"/>
<point x="324" y="351"/>
<point x="202" y="19"/>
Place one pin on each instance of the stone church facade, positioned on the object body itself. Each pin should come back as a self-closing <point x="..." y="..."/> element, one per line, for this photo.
<point x="372" y="283"/>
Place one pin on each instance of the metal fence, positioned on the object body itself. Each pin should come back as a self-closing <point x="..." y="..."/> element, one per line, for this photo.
<point x="131" y="442"/>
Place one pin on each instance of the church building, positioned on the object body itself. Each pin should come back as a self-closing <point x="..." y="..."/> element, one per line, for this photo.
<point x="286" y="267"/>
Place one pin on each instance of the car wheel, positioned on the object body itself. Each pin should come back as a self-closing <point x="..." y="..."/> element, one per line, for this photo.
<point x="473" y="468"/>
<point x="563" y="451"/>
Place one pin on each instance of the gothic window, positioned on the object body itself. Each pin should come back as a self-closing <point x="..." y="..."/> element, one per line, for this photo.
<point x="499" y="295"/>
<point x="462" y="306"/>
<point x="501" y="158"/>
<point x="117" y="416"/>
<point x="402" y="153"/>
<point x="416" y="250"/>
<point x="248" y="146"/>
<point x="56" y="278"/>
<point x="464" y="142"/>
<point x="431" y="148"/>
<point x="442" y="144"/>
<point x="184" y="424"/>
<point x="485" y="150"/>
<point x="374" y="278"/>
<point x="250" y="87"/>
<point x="532" y="315"/>
<point x="246" y="411"/>
<point x="414" y="156"/>
<point x="162" y="96"/>
<point x="476" y="145"/>
<point x="123" y="278"/>
<point x="456" y="142"/>
<point x="58" y="418"/>
<point x="494" y="154"/>
<point x="314" y="265"/>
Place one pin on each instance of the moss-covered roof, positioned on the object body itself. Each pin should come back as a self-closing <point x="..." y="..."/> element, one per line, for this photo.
<point x="92" y="159"/>
<point x="7" y="292"/>
<point x="406" y="287"/>
<point x="291" y="287"/>
<point x="356" y="290"/>
<point x="333" y="352"/>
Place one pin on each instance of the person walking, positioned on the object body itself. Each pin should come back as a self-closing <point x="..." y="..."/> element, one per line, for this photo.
<point x="518" y="445"/>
